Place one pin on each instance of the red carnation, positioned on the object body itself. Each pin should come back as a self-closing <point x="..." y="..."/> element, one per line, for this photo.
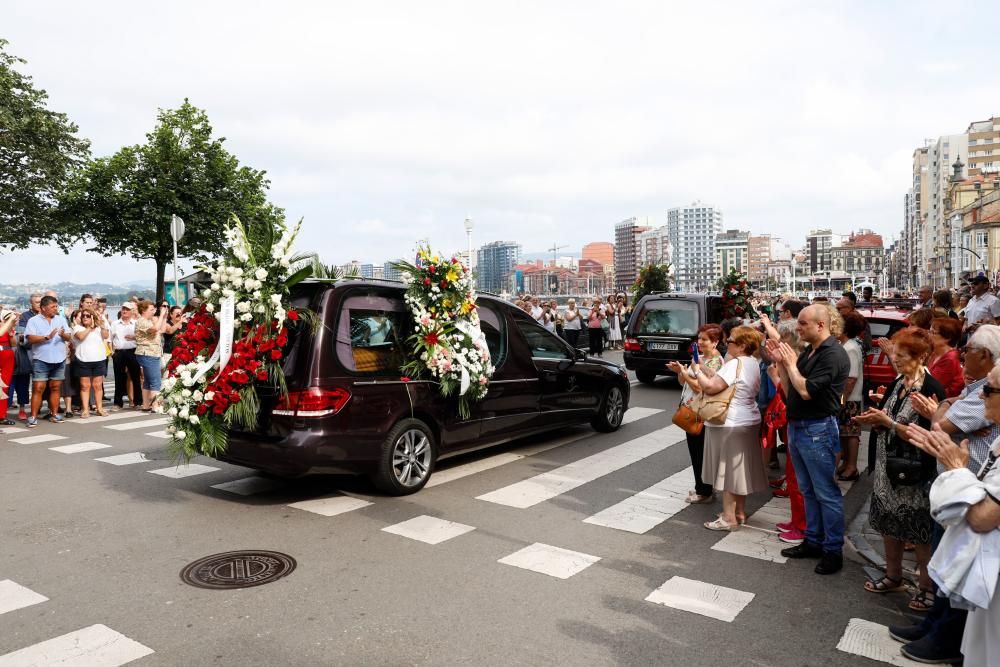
<point x="292" y="314"/>
<point x="431" y="338"/>
<point x="432" y="268"/>
<point x="262" y="374"/>
<point x="404" y="379"/>
<point x="276" y="354"/>
<point x="444" y="284"/>
<point x="202" y="408"/>
<point x="427" y="282"/>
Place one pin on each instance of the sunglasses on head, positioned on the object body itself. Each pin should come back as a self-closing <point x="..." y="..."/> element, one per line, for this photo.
<point x="989" y="391"/>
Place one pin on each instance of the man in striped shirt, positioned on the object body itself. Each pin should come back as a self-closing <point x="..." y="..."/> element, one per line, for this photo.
<point x="939" y="636"/>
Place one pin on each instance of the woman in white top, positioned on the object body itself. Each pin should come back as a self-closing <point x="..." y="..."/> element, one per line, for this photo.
<point x="732" y="462"/>
<point x="852" y="401"/>
<point x="614" y="323"/>
<point x="571" y="323"/>
<point x="91" y="359"/>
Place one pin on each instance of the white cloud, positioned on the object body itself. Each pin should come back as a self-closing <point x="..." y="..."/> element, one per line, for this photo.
<point x="382" y="123"/>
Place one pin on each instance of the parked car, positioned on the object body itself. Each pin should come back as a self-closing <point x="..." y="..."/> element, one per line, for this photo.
<point x="348" y="409"/>
<point x="884" y="321"/>
<point x="662" y="329"/>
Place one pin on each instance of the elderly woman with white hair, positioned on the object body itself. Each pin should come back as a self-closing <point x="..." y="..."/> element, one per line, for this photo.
<point x="966" y="565"/>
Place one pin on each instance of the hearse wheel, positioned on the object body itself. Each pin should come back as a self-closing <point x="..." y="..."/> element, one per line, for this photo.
<point x="646" y="377"/>
<point x="407" y="459"/>
<point x="612" y="410"/>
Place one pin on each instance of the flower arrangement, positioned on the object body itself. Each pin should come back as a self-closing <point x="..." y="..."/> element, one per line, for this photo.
<point x="652" y="278"/>
<point x="448" y="344"/>
<point x="736" y="296"/>
<point x="234" y="343"/>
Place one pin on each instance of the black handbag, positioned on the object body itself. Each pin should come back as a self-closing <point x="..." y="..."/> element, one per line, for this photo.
<point x="22" y="361"/>
<point x="904" y="471"/>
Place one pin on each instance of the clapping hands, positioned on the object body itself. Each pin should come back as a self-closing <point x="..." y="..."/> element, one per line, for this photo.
<point x="939" y="444"/>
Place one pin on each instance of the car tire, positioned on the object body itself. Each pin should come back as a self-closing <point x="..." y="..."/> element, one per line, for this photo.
<point x="407" y="459"/>
<point x="611" y="411"/>
<point x="646" y="377"/>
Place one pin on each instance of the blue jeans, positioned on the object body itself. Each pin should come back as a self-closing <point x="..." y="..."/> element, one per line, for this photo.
<point x="150" y="372"/>
<point x="813" y="445"/>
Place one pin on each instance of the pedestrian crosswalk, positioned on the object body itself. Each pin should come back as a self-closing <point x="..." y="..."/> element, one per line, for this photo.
<point x="92" y="646"/>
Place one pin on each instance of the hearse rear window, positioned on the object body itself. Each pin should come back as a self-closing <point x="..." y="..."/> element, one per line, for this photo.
<point x="371" y="334"/>
<point x="668" y="317"/>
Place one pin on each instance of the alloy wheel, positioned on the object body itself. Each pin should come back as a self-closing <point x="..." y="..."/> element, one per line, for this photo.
<point x="411" y="457"/>
<point x="614" y="407"/>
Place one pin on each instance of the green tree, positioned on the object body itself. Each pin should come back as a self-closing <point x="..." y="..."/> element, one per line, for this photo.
<point x="123" y="204"/>
<point x="652" y="278"/>
<point x="39" y="150"/>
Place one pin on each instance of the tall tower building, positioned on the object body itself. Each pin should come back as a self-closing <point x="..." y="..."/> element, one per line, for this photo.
<point x="692" y="230"/>
<point x="937" y="233"/>
<point x="654" y="246"/>
<point x="627" y="252"/>
<point x="495" y="261"/>
<point x="732" y="251"/>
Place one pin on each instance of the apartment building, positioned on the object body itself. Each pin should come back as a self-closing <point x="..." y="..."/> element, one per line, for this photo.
<point x="692" y="231"/>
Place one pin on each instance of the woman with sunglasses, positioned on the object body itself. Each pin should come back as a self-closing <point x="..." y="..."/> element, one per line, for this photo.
<point x="900" y="511"/>
<point x="91" y="359"/>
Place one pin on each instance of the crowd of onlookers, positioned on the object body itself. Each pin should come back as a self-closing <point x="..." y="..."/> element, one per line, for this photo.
<point x="603" y="319"/>
<point x="61" y="357"/>
<point x="796" y="376"/>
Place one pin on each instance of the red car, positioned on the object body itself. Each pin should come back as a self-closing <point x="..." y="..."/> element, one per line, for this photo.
<point x="884" y="321"/>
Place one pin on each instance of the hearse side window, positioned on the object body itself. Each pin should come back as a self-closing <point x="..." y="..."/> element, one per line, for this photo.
<point x="493" y="325"/>
<point x="668" y="316"/>
<point x="543" y="344"/>
<point x="371" y="334"/>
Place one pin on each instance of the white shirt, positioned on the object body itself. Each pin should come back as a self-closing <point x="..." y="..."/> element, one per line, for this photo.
<point x="574" y="323"/>
<point x="536" y="313"/>
<point x="119" y="329"/>
<point x="90" y="348"/>
<point x="987" y="306"/>
<point x="853" y="350"/>
<point x="743" y="409"/>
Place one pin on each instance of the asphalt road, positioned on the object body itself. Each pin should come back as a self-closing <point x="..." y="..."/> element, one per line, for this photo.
<point x="105" y="545"/>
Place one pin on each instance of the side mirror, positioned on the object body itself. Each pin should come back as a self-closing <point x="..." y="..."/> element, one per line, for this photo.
<point x="580" y="355"/>
<point x="564" y="364"/>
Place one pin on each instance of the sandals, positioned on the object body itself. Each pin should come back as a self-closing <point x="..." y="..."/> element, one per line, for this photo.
<point x="849" y="478"/>
<point x="8" y="422"/>
<point x="922" y="601"/>
<point x="695" y="499"/>
<point x="885" y="585"/>
<point x="101" y="413"/>
<point x="719" y="524"/>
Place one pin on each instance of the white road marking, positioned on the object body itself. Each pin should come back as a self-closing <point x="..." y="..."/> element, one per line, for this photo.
<point x="145" y="423"/>
<point x="185" y="470"/>
<point x="699" y="597"/>
<point x="553" y="561"/>
<point x="249" y="486"/>
<point x="79" y="447"/>
<point x="429" y="529"/>
<point x="15" y="596"/>
<point x="464" y="470"/>
<point x="112" y="416"/>
<point x="12" y="430"/>
<point x="158" y="434"/>
<point x="635" y="414"/>
<point x="566" y="478"/>
<point x="648" y="508"/>
<point x="872" y="640"/>
<point x="95" y="646"/>
<point x="331" y="506"/>
<point x="759" y="537"/>
<point x="35" y="439"/>
<point x="124" y="459"/>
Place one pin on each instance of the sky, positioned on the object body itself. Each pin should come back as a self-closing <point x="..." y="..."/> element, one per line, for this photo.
<point x="381" y="123"/>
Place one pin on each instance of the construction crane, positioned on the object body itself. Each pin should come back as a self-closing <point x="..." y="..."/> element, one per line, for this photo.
<point x="554" y="249"/>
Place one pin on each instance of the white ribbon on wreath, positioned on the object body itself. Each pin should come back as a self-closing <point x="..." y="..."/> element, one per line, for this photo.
<point x="224" y="350"/>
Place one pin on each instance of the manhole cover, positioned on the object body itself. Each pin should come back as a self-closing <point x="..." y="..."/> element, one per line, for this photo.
<point x="238" y="569"/>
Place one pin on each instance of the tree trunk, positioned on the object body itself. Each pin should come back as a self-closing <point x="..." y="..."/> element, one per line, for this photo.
<point x="161" y="269"/>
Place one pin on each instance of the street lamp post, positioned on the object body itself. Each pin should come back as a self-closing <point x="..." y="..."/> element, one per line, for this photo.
<point x="468" y="236"/>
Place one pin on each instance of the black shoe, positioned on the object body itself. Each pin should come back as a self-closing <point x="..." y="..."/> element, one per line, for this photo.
<point x="804" y="550"/>
<point x="907" y="633"/>
<point x="926" y="651"/>
<point x="830" y="563"/>
<point x="782" y="448"/>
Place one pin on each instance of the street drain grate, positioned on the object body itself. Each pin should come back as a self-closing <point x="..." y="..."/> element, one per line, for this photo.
<point x="238" y="569"/>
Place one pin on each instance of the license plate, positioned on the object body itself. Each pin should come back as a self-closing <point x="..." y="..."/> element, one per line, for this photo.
<point x="667" y="347"/>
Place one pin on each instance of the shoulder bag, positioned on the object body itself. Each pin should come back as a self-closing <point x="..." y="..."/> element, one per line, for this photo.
<point x="904" y="464"/>
<point x="713" y="409"/>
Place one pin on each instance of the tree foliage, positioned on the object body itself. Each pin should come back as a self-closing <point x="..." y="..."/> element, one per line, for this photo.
<point x="652" y="278"/>
<point x="123" y="204"/>
<point x="39" y="150"/>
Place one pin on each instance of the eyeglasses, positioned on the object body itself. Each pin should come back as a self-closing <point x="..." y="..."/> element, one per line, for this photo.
<point x="989" y="391"/>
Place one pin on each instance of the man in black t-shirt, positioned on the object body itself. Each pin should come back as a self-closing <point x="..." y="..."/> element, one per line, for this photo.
<point x="814" y="383"/>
